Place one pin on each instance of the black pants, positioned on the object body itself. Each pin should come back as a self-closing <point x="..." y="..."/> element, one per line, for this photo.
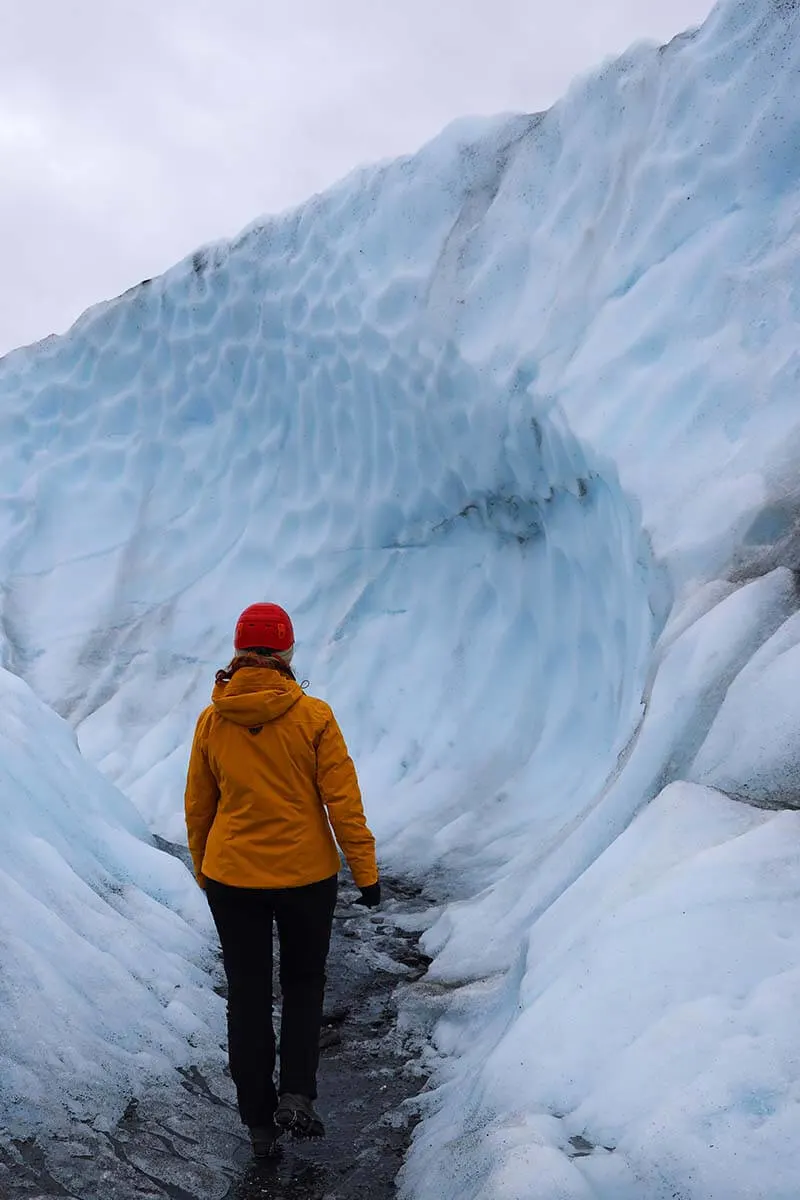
<point x="243" y="917"/>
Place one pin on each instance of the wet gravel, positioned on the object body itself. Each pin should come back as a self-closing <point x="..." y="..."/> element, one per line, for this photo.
<point x="183" y="1141"/>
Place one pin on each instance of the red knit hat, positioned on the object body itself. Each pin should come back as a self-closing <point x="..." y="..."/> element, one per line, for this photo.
<point x="264" y="626"/>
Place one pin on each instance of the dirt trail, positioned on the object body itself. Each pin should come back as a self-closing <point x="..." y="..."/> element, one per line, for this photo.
<point x="186" y="1143"/>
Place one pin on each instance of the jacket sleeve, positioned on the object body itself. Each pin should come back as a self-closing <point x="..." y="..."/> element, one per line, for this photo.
<point x="337" y="783"/>
<point x="201" y="798"/>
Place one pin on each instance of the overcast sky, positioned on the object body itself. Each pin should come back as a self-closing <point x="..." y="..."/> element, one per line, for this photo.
<point x="132" y="131"/>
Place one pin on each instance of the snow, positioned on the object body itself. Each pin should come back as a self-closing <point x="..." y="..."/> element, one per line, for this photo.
<point x="511" y="428"/>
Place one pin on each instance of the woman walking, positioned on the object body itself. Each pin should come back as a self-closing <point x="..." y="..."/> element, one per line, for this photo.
<point x="269" y="774"/>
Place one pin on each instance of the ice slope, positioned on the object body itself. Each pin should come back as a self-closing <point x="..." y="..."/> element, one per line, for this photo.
<point x="511" y="426"/>
<point x="645" y="1043"/>
<point x="103" y="943"/>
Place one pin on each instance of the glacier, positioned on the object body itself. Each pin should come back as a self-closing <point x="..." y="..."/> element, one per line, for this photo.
<point x="107" y="971"/>
<point x="511" y="427"/>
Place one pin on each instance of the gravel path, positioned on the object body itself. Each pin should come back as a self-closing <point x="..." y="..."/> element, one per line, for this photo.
<point x="185" y="1142"/>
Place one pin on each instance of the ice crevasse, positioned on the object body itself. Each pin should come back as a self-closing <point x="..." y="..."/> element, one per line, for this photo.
<point x="511" y="426"/>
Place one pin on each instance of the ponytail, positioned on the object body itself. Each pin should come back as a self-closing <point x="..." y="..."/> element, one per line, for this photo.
<point x="254" y="658"/>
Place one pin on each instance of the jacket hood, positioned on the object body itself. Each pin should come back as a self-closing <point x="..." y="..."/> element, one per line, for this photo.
<point x="255" y="695"/>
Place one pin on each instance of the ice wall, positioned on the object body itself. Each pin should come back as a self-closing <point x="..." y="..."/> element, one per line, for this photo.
<point x="292" y="415"/>
<point x="484" y="419"/>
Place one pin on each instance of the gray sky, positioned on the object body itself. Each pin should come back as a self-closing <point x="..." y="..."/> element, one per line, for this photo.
<point x="131" y="131"/>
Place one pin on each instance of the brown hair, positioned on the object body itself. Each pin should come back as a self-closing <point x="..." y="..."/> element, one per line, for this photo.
<point x="254" y="658"/>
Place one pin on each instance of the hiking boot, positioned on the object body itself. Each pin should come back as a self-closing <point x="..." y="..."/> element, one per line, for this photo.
<point x="265" y="1141"/>
<point x="297" y="1115"/>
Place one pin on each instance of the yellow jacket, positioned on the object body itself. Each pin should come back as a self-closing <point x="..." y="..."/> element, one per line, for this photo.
<point x="269" y="769"/>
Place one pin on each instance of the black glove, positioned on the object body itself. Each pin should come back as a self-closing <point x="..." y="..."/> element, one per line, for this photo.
<point x="370" y="896"/>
